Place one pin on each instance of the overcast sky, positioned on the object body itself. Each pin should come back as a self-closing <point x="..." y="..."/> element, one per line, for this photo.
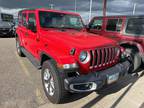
<point x="114" y="7"/>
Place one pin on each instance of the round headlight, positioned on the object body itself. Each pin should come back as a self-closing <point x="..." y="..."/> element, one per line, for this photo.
<point x="83" y="56"/>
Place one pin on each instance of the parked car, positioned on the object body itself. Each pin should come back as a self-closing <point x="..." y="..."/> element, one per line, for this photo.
<point x="6" y="25"/>
<point x="127" y="30"/>
<point x="15" y="26"/>
<point x="70" y="58"/>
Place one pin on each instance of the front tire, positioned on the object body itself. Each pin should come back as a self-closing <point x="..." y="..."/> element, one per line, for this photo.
<point x="52" y="82"/>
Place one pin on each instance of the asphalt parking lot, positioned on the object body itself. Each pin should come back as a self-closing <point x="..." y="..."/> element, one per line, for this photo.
<point x="20" y="86"/>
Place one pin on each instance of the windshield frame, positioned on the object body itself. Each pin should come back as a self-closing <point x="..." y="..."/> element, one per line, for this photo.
<point x="126" y="25"/>
<point x="63" y="27"/>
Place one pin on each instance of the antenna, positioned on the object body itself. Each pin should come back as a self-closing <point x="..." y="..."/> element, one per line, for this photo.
<point x="75" y="5"/>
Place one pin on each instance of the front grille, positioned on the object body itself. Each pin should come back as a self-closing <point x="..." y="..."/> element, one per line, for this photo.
<point x="103" y="56"/>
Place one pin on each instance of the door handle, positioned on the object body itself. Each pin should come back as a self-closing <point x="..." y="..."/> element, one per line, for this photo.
<point x="26" y="34"/>
<point x="113" y="36"/>
<point x="37" y="39"/>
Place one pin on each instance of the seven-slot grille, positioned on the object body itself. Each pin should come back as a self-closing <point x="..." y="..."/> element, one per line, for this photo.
<point x="103" y="56"/>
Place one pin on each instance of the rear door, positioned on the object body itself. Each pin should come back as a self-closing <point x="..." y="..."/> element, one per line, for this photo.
<point x="134" y="30"/>
<point x="22" y="29"/>
<point x="113" y="28"/>
<point x="32" y="34"/>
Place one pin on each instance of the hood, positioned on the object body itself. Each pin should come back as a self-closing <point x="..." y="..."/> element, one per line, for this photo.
<point x="4" y="24"/>
<point x="78" y="39"/>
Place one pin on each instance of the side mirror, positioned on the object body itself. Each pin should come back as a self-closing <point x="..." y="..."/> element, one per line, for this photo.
<point x="32" y="26"/>
<point x="87" y="27"/>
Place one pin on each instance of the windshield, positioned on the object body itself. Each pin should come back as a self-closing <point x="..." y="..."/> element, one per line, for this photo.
<point x="7" y="17"/>
<point x="60" y="20"/>
<point x="135" y="26"/>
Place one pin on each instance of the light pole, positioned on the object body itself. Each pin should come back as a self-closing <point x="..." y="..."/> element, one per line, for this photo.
<point x="104" y="7"/>
<point x="90" y="11"/>
<point x="51" y="6"/>
<point x="75" y="5"/>
<point x="134" y="8"/>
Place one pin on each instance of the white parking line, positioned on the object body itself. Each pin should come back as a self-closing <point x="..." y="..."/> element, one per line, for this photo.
<point x="37" y="91"/>
<point x="25" y="70"/>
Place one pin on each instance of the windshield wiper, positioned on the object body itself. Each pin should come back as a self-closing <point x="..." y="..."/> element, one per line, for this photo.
<point x="71" y="28"/>
<point x="51" y="27"/>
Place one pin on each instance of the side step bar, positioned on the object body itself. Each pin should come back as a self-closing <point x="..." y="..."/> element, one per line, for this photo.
<point x="35" y="62"/>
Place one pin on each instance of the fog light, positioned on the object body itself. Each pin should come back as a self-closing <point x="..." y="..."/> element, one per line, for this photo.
<point x="83" y="87"/>
<point x="68" y="66"/>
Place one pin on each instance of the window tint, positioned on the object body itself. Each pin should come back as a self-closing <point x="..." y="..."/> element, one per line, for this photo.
<point x="20" y="19"/>
<point x="60" y="20"/>
<point x="114" y="25"/>
<point x="135" y="26"/>
<point x="96" y="24"/>
<point x="24" y="22"/>
<point x="32" y="18"/>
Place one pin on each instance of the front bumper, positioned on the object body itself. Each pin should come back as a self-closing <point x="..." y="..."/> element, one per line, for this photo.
<point x="5" y="31"/>
<point x="96" y="80"/>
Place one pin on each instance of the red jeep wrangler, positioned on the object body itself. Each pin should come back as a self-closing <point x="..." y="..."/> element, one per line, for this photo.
<point x="71" y="59"/>
<point x="127" y="30"/>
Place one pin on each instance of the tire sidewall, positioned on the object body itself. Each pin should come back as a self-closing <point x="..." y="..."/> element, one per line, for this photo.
<point x="19" y="51"/>
<point x="58" y="82"/>
<point x="136" y="58"/>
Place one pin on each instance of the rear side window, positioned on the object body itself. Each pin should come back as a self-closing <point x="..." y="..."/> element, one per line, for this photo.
<point x="32" y="18"/>
<point x="20" y="19"/>
<point x="96" y="24"/>
<point x="114" y="25"/>
<point x="24" y="22"/>
<point x="135" y="26"/>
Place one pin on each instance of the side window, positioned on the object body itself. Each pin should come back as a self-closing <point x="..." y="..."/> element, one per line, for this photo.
<point x="24" y="22"/>
<point x="96" y="24"/>
<point x="114" y="25"/>
<point x="20" y="19"/>
<point x="32" y="19"/>
<point x="32" y="22"/>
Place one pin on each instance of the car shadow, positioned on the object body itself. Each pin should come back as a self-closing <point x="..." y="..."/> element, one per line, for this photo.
<point x="129" y="81"/>
<point x="115" y="88"/>
<point x="7" y="36"/>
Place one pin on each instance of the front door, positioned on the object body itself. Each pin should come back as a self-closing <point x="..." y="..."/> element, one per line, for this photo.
<point x="32" y="33"/>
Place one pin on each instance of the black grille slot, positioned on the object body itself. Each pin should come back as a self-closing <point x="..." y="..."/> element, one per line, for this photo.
<point x="111" y="54"/>
<point x="91" y="56"/>
<point x="100" y="61"/>
<point x="96" y="59"/>
<point x="108" y="54"/>
<point x="104" y="56"/>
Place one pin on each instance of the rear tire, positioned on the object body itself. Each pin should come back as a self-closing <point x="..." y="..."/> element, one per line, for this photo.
<point x="52" y="82"/>
<point x="18" y="48"/>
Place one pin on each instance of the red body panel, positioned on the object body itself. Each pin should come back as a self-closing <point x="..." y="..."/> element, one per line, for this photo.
<point x="58" y="44"/>
<point x="120" y="36"/>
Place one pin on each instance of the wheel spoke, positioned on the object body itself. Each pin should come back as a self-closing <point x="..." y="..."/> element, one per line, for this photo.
<point x="49" y="82"/>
